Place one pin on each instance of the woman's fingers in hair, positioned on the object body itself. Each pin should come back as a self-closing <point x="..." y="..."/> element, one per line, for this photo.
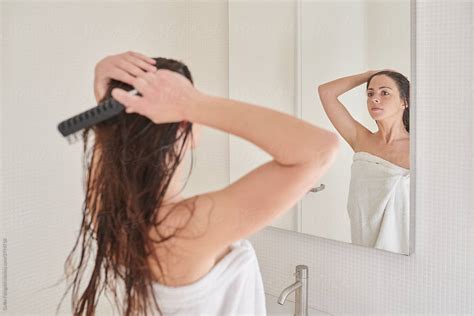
<point x="143" y="57"/>
<point x="143" y="84"/>
<point x="121" y="75"/>
<point x="149" y="77"/>
<point x="130" y="102"/>
<point x="137" y="64"/>
<point x="133" y="69"/>
<point x="129" y="67"/>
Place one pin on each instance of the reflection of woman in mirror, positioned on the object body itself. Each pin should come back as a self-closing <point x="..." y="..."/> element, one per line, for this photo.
<point x="378" y="202"/>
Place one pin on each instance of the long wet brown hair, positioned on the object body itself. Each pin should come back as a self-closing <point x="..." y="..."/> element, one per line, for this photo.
<point x="403" y="87"/>
<point x="125" y="186"/>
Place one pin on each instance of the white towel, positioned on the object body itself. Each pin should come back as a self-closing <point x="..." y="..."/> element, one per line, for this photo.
<point x="379" y="203"/>
<point x="233" y="286"/>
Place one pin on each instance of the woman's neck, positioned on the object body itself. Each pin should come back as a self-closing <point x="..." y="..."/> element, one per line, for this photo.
<point x="173" y="194"/>
<point x="390" y="132"/>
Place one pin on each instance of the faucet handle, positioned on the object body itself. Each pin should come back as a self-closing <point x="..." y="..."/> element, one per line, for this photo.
<point x="301" y="272"/>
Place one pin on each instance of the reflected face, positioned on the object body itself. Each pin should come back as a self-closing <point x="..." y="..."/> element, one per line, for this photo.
<point x="383" y="98"/>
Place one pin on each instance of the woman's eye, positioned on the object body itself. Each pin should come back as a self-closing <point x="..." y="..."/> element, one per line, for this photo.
<point x="386" y="92"/>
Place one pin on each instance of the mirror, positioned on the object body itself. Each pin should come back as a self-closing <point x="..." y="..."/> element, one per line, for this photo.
<point x="364" y="198"/>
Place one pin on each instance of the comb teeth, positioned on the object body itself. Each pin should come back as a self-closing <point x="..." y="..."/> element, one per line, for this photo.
<point x="105" y="110"/>
<point x="72" y="138"/>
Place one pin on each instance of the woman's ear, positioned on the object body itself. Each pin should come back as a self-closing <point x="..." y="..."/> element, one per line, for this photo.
<point x="404" y="103"/>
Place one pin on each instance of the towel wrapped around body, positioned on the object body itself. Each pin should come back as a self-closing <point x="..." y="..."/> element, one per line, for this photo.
<point x="379" y="203"/>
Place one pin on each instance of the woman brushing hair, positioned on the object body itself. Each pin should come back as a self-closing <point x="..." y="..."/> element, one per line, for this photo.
<point x="174" y="254"/>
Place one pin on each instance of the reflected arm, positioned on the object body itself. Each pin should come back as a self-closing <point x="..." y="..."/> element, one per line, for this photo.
<point x="337" y="113"/>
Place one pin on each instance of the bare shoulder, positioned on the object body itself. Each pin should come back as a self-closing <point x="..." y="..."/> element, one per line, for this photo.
<point x="397" y="153"/>
<point x="175" y="217"/>
<point x="180" y="225"/>
<point x="177" y="244"/>
<point x="363" y="138"/>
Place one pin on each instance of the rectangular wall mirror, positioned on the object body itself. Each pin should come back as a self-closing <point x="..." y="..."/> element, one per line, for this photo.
<point x="280" y="53"/>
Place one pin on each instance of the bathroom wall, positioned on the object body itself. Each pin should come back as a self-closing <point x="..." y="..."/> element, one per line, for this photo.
<point x="49" y="50"/>
<point x="262" y="70"/>
<point x="43" y="47"/>
<point x="439" y="277"/>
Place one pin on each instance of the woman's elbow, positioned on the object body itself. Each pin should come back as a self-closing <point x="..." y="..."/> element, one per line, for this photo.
<point x="323" y="92"/>
<point x="333" y="147"/>
<point x="334" y="143"/>
<point x="320" y="89"/>
<point x="326" y="153"/>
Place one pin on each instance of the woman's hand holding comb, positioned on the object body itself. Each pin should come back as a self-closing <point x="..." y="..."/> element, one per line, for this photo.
<point x="167" y="96"/>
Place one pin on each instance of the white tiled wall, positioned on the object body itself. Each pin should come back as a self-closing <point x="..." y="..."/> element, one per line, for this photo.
<point x="439" y="277"/>
<point x="39" y="206"/>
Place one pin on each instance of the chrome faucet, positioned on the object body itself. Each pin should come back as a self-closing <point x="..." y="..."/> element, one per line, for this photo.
<point x="300" y="287"/>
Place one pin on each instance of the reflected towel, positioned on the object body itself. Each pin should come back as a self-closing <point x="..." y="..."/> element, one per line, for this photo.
<point x="379" y="203"/>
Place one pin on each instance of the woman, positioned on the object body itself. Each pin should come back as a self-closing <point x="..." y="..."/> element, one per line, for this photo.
<point x="186" y="255"/>
<point x="378" y="202"/>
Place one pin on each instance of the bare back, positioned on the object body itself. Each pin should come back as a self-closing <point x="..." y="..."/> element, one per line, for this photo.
<point x="179" y="264"/>
<point x="205" y="225"/>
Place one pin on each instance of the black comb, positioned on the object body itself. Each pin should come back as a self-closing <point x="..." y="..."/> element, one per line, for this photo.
<point x="109" y="108"/>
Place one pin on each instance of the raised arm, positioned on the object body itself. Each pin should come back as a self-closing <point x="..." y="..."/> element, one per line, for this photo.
<point x="301" y="153"/>
<point x="337" y="113"/>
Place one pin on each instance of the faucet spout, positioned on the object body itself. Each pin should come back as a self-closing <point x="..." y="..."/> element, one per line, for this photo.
<point x="300" y="287"/>
<point x="288" y="290"/>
